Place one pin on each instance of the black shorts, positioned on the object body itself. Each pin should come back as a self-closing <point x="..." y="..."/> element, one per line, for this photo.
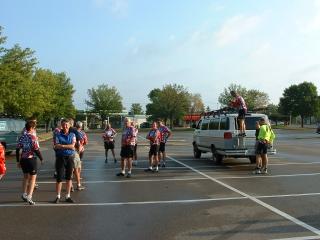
<point x="135" y="149"/>
<point x="109" y="145"/>
<point x="127" y="151"/>
<point x="162" y="147"/>
<point x="262" y="148"/>
<point x="242" y="114"/>
<point x="154" y="150"/>
<point x="29" y="165"/>
<point x="64" y="164"/>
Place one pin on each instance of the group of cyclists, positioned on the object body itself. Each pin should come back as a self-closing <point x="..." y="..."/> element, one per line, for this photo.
<point x="68" y="144"/>
<point x="157" y="136"/>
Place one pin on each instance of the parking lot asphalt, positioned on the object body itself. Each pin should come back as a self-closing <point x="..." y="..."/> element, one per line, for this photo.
<point x="189" y="199"/>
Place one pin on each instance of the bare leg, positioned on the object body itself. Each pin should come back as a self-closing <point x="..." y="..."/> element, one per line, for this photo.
<point x="77" y="175"/>
<point x="68" y="187"/>
<point x="129" y="161"/>
<point x="264" y="162"/>
<point x="25" y="183"/>
<point x="31" y="183"/>
<point x="58" y="188"/>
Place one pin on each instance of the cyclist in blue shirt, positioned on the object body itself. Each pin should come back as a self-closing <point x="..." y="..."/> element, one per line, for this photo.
<point x="64" y="146"/>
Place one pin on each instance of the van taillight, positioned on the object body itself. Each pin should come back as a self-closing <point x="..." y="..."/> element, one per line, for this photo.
<point x="227" y="135"/>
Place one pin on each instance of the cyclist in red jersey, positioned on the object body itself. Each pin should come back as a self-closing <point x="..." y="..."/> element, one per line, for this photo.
<point x="127" y="148"/>
<point x="154" y="138"/>
<point x="240" y="104"/>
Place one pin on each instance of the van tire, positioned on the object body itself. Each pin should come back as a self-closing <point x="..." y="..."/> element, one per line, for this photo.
<point x="217" y="158"/>
<point x="252" y="159"/>
<point x="196" y="152"/>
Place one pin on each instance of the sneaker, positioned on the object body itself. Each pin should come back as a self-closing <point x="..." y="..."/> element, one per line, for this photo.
<point x="69" y="200"/>
<point x="120" y="174"/>
<point x="29" y="200"/>
<point x="106" y="161"/>
<point x="24" y="198"/>
<point x="148" y="170"/>
<point x="264" y="171"/>
<point x="156" y="170"/>
<point x="115" y="160"/>
<point x="128" y="175"/>
<point x="57" y="200"/>
<point x="163" y="165"/>
<point x="80" y="188"/>
<point x="257" y="171"/>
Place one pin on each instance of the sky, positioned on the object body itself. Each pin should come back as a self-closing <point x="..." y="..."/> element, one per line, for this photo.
<point x="140" y="45"/>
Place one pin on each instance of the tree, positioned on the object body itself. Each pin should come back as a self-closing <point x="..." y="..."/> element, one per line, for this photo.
<point x="225" y="98"/>
<point x="104" y="100"/>
<point x="208" y="109"/>
<point x="136" y="109"/>
<point x="31" y="92"/>
<point x="171" y="102"/>
<point x="16" y="90"/>
<point x="273" y="113"/>
<point x="254" y="99"/>
<point x="196" y="104"/>
<point x="300" y="100"/>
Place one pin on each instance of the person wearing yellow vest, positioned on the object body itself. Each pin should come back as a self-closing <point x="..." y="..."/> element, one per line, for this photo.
<point x="265" y="138"/>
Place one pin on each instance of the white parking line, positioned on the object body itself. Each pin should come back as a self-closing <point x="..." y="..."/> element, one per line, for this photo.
<point x="132" y="180"/>
<point x="254" y="199"/>
<point x="39" y="204"/>
<point x="271" y="176"/>
<point x="299" y="238"/>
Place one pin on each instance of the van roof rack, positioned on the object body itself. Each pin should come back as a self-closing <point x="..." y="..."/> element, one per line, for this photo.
<point x="221" y="111"/>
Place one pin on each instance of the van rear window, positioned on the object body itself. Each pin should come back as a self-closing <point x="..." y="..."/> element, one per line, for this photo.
<point x="251" y="122"/>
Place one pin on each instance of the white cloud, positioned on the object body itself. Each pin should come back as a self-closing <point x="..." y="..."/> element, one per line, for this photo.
<point x="234" y="28"/>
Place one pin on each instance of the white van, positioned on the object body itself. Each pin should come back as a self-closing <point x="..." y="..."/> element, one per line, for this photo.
<point x="218" y="134"/>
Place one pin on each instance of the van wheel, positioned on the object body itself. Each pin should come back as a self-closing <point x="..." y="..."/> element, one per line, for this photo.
<point x="196" y="152"/>
<point x="217" y="158"/>
<point x="252" y="159"/>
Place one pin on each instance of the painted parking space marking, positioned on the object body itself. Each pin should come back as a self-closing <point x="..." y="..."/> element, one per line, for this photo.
<point x="254" y="199"/>
<point x="299" y="238"/>
<point x="39" y="204"/>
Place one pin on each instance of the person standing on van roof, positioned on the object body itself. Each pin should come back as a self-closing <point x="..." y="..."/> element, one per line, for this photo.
<point x="265" y="138"/>
<point x="240" y="104"/>
<point x="2" y="161"/>
<point x="27" y="161"/>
